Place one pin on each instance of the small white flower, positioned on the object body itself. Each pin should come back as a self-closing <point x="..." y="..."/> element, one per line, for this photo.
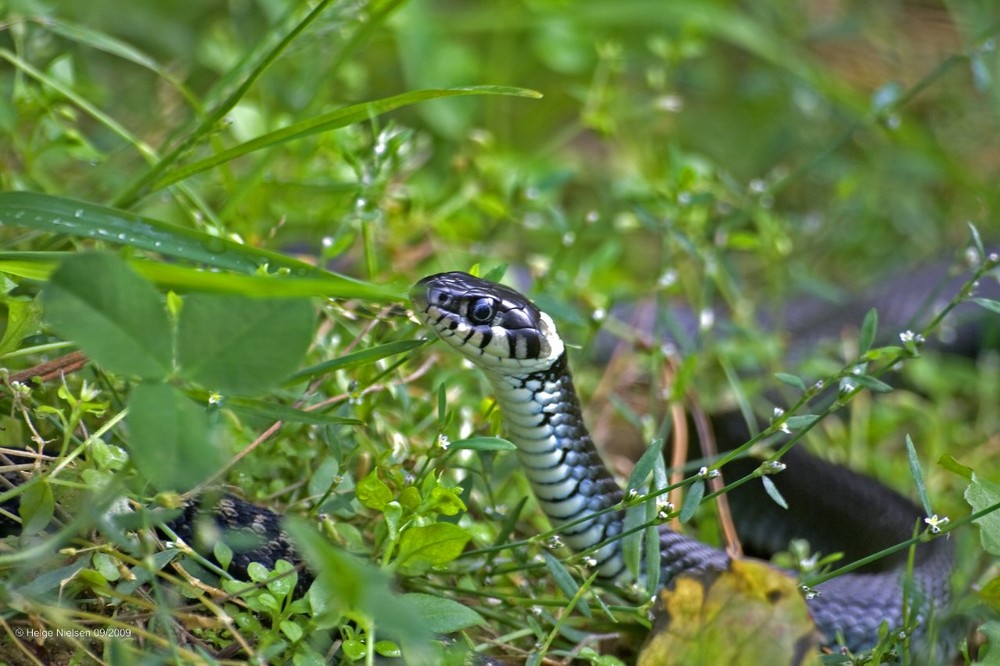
<point x="554" y="542"/>
<point x="663" y="510"/>
<point x="443" y="442"/>
<point x="935" y="523"/>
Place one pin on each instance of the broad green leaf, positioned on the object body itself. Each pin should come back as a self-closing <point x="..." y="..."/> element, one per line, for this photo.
<point x="444" y="616"/>
<point x="36" y="507"/>
<point x="242" y="345"/>
<point x="989" y="654"/>
<point x="291" y="630"/>
<point x="373" y="492"/>
<point x="446" y="501"/>
<point x="387" y="649"/>
<point x="431" y="545"/>
<point x="170" y="444"/>
<point x="981" y="495"/>
<point x="222" y="553"/>
<point x="328" y="121"/>
<point x="346" y="583"/>
<point x="284" y="579"/>
<point x="22" y="320"/>
<point x="990" y="594"/>
<point x="117" y="318"/>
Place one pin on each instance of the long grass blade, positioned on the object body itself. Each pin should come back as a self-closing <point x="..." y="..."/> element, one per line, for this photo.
<point x="347" y="115"/>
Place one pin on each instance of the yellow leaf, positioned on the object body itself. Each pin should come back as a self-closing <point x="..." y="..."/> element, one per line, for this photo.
<point x="748" y="615"/>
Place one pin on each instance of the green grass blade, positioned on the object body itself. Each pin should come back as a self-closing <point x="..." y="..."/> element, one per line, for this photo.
<point x="104" y="42"/>
<point x="363" y="357"/>
<point x="145" y="149"/>
<point x="323" y="283"/>
<point x="347" y="115"/>
<point x="60" y="215"/>
<point x="263" y="409"/>
<point x="39" y="265"/>
<point x="139" y="186"/>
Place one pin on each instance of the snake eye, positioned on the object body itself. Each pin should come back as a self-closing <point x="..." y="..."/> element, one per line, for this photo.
<point x="482" y="310"/>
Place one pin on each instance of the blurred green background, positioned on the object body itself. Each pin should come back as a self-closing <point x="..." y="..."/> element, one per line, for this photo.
<point x="830" y="138"/>
<point x="705" y="151"/>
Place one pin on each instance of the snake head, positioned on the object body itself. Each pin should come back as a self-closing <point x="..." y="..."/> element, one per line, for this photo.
<point x="497" y="328"/>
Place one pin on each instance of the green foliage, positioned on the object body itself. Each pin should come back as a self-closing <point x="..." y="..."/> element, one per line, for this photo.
<point x="262" y="181"/>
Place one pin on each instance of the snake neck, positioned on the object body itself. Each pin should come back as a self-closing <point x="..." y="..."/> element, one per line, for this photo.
<point x="543" y="419"/>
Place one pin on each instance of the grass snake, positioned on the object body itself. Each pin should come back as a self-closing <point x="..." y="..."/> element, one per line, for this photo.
<point x="517" y="347"/>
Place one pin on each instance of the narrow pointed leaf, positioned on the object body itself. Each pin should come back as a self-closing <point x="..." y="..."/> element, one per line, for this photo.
<point x="329" y="121"/>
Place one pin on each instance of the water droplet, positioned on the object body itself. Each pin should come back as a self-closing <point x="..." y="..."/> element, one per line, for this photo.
<point x="79" y="213"/>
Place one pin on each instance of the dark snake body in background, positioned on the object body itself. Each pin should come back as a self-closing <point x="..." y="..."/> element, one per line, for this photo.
<point x="517" y="347"/>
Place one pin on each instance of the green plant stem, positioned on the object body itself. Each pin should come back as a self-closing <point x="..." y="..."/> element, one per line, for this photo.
<point x="138" y="187"/>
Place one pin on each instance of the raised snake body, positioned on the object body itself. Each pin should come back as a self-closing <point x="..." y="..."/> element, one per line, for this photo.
<point x="517" y="347"/>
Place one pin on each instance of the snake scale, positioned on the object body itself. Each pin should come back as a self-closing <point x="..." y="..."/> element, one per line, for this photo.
<point x="517" y="347"/>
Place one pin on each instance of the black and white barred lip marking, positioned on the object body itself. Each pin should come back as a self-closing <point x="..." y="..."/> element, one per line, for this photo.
<point x="491" y="323"/>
